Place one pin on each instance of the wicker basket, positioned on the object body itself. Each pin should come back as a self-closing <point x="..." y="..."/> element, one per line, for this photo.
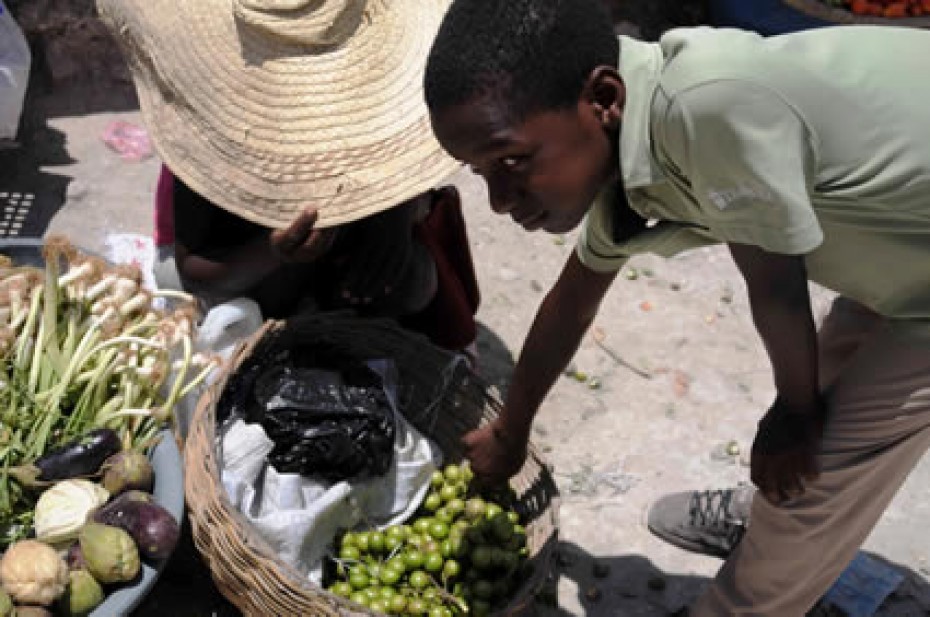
<point x="832" y="14"/>
<point x="245" y="568"/>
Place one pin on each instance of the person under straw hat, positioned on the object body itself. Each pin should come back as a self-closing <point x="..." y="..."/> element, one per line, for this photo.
<point x="302" y="162"/>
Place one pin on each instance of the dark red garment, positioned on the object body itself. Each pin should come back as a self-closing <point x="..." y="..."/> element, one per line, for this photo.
<point x="449" y="319"/>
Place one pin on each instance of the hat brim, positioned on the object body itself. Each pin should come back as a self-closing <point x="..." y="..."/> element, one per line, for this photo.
<point x="264" y="128"/>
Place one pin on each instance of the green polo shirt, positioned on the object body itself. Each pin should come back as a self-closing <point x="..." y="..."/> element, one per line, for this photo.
<point x="814" y="144"/>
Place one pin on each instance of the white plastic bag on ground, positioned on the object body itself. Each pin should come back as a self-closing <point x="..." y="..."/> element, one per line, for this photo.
<point x="300" y="517"/>
<point x="14" y="73"/>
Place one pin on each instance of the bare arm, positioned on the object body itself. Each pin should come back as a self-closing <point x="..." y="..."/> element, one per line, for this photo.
<point x="784" y="450"/>
<point x="498" y="450"/>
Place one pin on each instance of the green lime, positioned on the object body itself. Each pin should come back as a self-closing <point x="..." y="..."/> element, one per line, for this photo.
<point x="361" y="541"/>
<point x="349" y="539"/>
<point x="372" y="592"/>
<point x="475" y="508"/>
<point x="386" y="593"/>
<point x="397" y="605"/>
<point x="416" y="607"/>
<point x="432" y="502"/>
<point x="422" y="525"/>
<point x="482" y="557"/>
<point x="513" y="517"/>
<point x="451" y="569"/>
<point x="501" y="527"/>
<point x="391" y="543"/>
<point x="437" y="611"/>
<point x="376" y="542"/>
<point x="419" y="579"/>
<point x="475" y="534"/>
<point x="446" y="548"/>
<point x="341" y="588"/>
<point x="374" y="570"/>
<point x="437" y="479"/>
<point x="430" y="594"/>
<point x="448" y="492"/>
<point x="358" y="580"/>
<point x="492" y="510"/>
<point x="483" y="590"/>
<point x="360" y="597"/>
<point x="378" y="606"/>
<point x="453" y="473"/>
<point x="413" y="559"/>
<point x="395" y="531"/>
<point x="445" y="515"/>
<point x="467" y="474"/>
<point x="461" y="526"/>
<point x="439" y="530"/>
<point x="433" y="562"/>
<point x="390" y="576"/>
<point x="350" y="553"/>
<point x="456" y="506"/>
<point x="458" y="545"/>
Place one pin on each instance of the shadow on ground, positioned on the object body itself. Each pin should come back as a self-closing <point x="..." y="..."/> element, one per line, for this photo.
<point x="495" y="362"/>
<point x="628" y="585"/>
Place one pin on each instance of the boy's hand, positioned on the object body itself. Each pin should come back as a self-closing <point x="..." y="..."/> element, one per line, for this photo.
<point x="784" y="452"/>
<point x="300" y="242"/>
<point x="494" y="457"/>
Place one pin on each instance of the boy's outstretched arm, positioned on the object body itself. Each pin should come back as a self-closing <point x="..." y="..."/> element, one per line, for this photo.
<point x="498" y="450"/>
<point x="783" y="453"/>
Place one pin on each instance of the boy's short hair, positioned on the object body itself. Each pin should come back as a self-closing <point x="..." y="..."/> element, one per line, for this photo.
<point x="528" y="55"/>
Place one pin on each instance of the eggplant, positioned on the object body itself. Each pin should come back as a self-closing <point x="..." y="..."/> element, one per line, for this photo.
<point x="82" y="457"/>
<point x="154" y="529"/>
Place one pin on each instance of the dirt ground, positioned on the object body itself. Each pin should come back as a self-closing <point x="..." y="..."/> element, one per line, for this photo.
<point x="699" y="381"/>
<point x="680" y="370"/>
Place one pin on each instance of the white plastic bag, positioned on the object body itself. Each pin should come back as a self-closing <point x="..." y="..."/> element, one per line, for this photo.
<point x="298" y="516"/>
<point x="14" y="73"/>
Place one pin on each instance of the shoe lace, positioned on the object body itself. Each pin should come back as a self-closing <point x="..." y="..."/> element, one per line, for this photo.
<point x="713" y="509"/>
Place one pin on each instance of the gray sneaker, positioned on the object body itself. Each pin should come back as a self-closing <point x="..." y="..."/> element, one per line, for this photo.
<point x="705" y="522"/>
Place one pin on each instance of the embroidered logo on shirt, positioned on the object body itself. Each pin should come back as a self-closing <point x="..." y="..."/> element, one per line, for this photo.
<point x="724" y="198"/>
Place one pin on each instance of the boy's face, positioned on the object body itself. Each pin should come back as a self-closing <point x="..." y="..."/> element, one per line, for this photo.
<point x="544" y="172"/>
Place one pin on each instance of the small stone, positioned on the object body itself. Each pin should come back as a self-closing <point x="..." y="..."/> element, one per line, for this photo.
<point x="674" y="286"/>
<point x="656" y="583"/>
<point x="647" y="272"/>
<point x="535" y="286"/>
<point x="631" y="274"/>
<point x="733" y="448"/>
<point x="580" y="376"/>
<point x="594" y="383"/>
<point x="600" y="569"/>
<point x="559" y="241"/>
<point x="592" y="593"/>
<point x="645" y="306"/>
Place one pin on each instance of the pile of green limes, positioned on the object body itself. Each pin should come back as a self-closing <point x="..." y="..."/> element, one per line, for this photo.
<point x="460" y="555"/>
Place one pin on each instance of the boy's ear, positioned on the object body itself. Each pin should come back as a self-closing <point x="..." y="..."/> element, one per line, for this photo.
<point x="605" y="92"/>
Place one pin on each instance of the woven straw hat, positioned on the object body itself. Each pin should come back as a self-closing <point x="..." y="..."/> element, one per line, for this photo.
<point x="265" y="107"/>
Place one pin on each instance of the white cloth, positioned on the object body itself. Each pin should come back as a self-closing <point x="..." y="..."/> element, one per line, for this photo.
<point x="15" y="60"/>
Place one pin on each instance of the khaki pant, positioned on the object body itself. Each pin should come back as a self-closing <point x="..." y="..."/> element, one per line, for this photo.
<point x="877" y="383"/>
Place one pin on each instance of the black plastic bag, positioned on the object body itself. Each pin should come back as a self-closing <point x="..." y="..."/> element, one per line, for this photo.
<point x="327" y="424"/>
